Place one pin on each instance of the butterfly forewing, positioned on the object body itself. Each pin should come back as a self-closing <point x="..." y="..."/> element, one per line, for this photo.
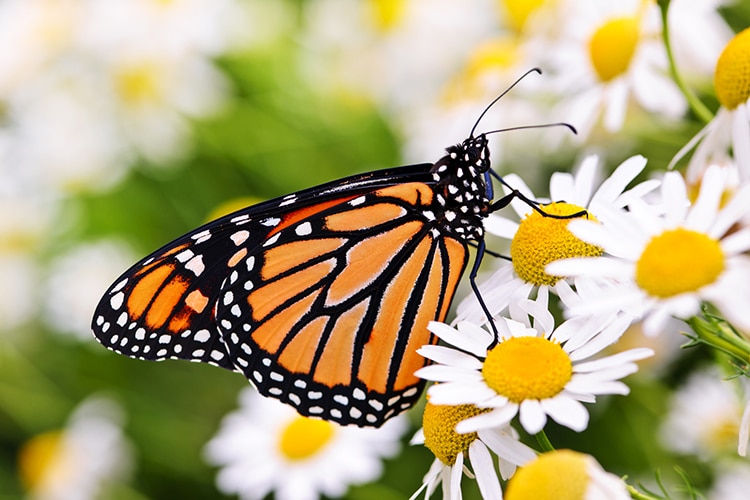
<point x="336" y="303"/>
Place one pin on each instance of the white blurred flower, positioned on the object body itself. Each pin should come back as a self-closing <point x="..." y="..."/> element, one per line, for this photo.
<point x="610" y="55"/>
<point x="32" y="34"/>
<point x="704" y="416"/>
<point x="24" y="223"/>
<point x="695" y="56"/>
<point x="266" y="446"/>
<point x="20" y="276"/>
<point x="79" y="461"/>
<point x="85" y="93"/>
<point x="76" y="282"/>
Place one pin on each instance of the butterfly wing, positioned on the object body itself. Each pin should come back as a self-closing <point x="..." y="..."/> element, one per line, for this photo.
<point x="330" y="288"/>
<point x="328" y="312"/>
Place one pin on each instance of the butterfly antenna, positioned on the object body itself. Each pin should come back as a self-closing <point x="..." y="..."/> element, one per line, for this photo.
<point x="525" y="127"/>
<point x="532" y="70"/>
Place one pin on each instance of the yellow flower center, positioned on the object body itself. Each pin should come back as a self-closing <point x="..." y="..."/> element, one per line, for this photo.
<point x="732" y="76"/>
<point x="522" y="368"/>
<point x="557" y="475"/>
<point x="490" y="57"/>
<point x="540" y="240"/>
<point x="37" y="456"/>
<point x="139" y="83"/>
<point x="386" y="14"/>
<point x="439" y="426"/>
<point x="519" y="11"/>
<point x="678" y="261"/>
<point x="722" y="434"/>
<point x="612" y="46"/>
<point x="304" y="437"/>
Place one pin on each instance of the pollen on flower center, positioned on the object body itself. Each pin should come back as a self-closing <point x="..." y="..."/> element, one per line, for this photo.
<point x="522" y="368"/>
<point x="678" y="261"/>
<point x="304" y="437"/>
<point x="612" y="46"/>
<point x="439" y="424"/>
<point x="540" y="240"/>
<point x="732" y="76"/>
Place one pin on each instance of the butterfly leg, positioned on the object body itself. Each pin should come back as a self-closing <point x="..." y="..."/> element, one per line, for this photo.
<point x="491" y="253"/>
<point x="473" y="282"/>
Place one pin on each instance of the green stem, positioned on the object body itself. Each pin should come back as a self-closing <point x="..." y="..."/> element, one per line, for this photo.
<point x="700" y="109"/>
<point x="544" y="443"/>
<point x="638" y="495"/>
<point x="722" y="337"/>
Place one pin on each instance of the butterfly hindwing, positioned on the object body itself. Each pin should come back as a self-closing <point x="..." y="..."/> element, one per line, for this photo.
<point x="335" y="303"/>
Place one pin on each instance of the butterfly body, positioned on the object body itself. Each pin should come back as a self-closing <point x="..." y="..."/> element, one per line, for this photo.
<point x="320" y="298"/>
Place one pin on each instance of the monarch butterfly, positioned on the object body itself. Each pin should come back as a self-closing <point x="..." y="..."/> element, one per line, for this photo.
<point x="322" y="297"/>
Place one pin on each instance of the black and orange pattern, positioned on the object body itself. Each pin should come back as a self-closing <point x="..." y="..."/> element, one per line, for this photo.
<point x="320" y="298"/>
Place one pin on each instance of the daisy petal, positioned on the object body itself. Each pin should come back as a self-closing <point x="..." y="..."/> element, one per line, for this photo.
<point x="615" y="359"/>
<point x="496" y="418"/>
<point x="458" y="394"/>
<point x="442" y="373"/>
<point x="740" y="133"/>
<point x="506" y="447"/>
<point x="737" y="242"/>
<point x="500" y="226"/>
<point x="616" y="183"/>
<point x="447" y="356"/>
<point x="532" y="416"/>
<point x="418" y="437"/>
<point x="562" y="187"/>
<point x="484" y="470"/>
<point x="454" y="338"/>
<point x="455" y="478"/>
<point x="567" y="411"/>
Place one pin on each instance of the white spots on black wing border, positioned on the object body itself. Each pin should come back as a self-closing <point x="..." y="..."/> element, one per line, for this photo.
<point x="358" y="201"/>
<point x="240" y="237"/>
<point x="240" y="219"/>
<point x="303" y="229"/>
<point x="270" y="221"/>
<point x="202" y="236"/>
<point x="288" y="200"/>
<point x="273" y="239"/>
<point x="196" y="265"/>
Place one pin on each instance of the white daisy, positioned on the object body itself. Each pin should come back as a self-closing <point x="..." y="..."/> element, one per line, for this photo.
<point x="565" y="474"/>
<point x="266" y="446"/>
<point x="537" y="240"/>
<point x="610" y="55"/>
<point x="452" y="451"/>
<point x="80" y="461"/>
<point x="730" y="128"/>
<point x="703" y="417"/>
<point x="76" y="282"/>
<point x="668" y="261"/>
<point x="531" y="369"/>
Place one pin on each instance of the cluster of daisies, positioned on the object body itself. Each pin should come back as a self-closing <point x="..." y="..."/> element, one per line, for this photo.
<point x="667" y="255"/>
